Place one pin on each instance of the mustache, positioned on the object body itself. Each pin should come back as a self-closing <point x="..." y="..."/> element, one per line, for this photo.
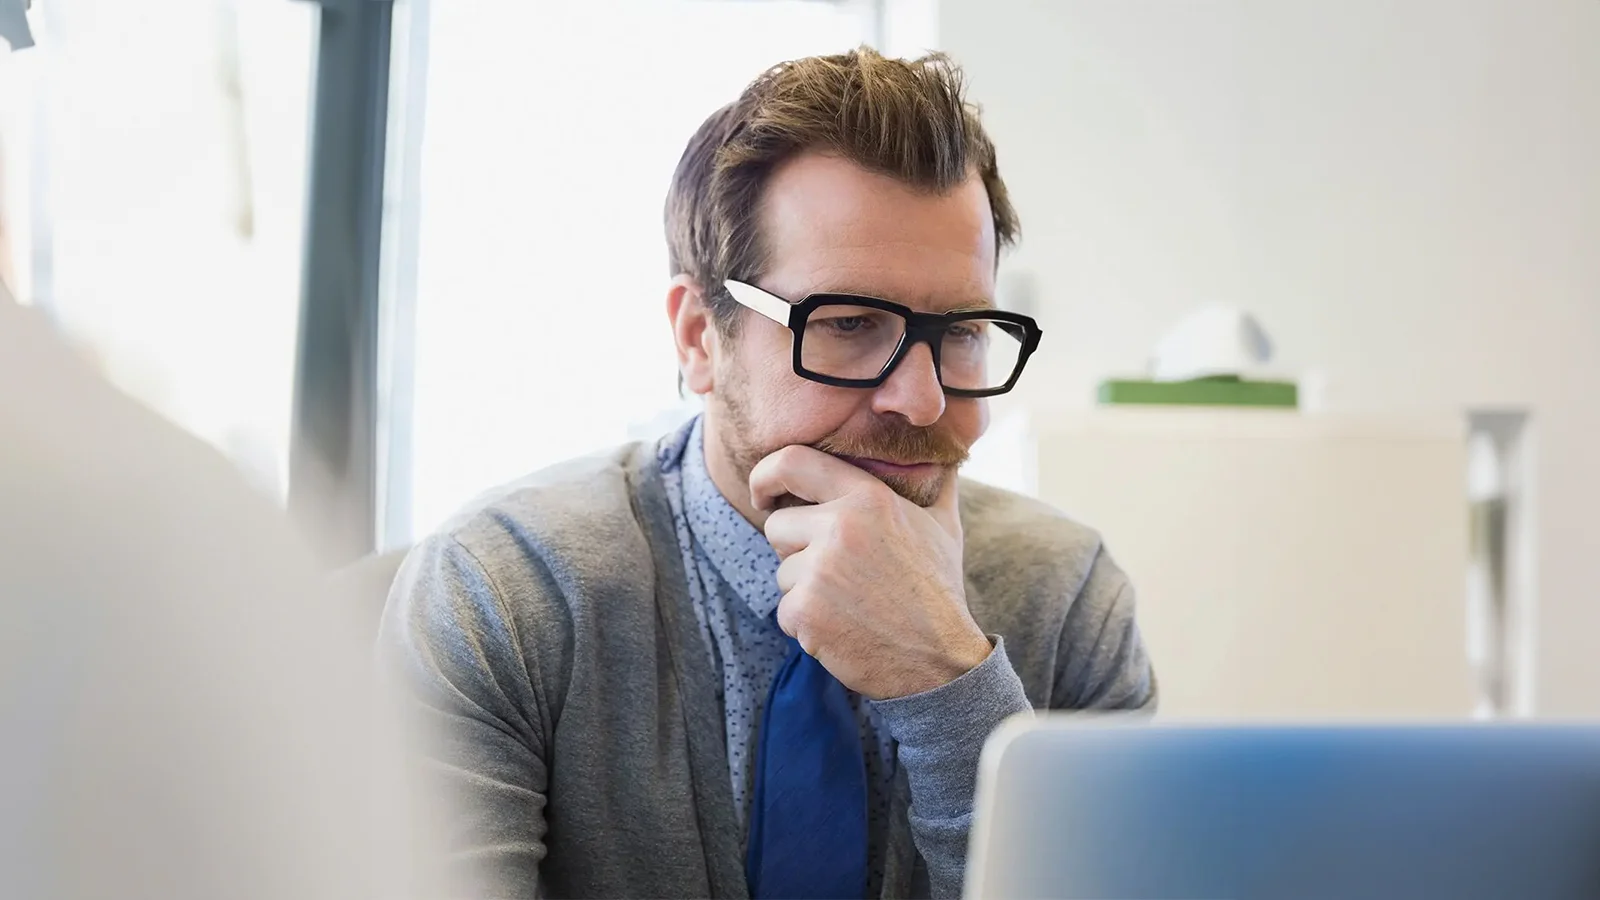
<point x="897" y="441"/>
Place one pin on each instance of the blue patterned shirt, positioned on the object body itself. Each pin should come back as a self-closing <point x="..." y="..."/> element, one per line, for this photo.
<point x="733" y="582"/>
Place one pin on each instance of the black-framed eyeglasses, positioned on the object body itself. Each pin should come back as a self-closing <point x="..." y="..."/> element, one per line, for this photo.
<point x="847" y="340"/>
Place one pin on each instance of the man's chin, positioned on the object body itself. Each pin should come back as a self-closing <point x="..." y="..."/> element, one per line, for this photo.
<point x="921" y="489"/>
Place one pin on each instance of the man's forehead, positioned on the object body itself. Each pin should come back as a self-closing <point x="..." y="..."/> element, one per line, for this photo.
<point x="830" y="226"/>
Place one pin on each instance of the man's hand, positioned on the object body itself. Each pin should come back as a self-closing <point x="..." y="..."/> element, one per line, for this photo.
<point x="873" y="584"/>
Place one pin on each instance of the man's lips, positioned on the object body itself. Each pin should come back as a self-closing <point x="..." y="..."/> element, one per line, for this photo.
<point x="883" y="467"/>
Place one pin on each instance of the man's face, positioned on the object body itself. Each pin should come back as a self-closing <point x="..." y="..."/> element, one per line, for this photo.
<point x="832" y="226"/>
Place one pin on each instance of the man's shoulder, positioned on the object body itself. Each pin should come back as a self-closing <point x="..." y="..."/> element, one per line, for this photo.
<point x="532" y="565"/>
<point x="1001" y="521"/>
<point x="1009" y="537"/>
<point x="573" y="511"/>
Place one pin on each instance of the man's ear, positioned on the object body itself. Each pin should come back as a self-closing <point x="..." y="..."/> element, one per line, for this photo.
<point x="694" y="332"/>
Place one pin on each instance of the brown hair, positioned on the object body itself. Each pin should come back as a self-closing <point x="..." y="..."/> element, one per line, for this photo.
<point x="908" y="119"/>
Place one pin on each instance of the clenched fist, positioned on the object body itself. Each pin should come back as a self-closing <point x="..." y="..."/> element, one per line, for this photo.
<point x="873" y="584"/>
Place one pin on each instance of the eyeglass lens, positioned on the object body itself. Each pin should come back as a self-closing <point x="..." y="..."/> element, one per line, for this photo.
<point x="857" y="342"/>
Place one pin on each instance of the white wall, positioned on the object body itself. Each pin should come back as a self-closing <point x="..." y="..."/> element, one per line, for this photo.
<point x="1407" y="193"/>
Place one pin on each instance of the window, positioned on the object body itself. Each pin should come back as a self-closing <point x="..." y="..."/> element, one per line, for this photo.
<point x="551" y="133"/>
<point x="152" y="170"/>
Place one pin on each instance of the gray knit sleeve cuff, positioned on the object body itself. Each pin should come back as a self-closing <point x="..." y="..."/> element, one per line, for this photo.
<point x="941" y="732"/>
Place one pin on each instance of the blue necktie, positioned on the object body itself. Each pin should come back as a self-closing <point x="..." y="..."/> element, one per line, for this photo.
<point x="808" y="816"/>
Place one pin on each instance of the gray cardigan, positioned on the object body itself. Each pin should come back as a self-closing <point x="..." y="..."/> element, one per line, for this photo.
<point x="571" y="705"/>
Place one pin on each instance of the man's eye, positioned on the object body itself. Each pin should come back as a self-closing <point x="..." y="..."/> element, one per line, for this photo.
<point x="846" y="324"/>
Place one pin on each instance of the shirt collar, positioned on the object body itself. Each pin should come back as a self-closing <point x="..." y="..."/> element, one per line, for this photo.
<point x="739" y="552"/>
<point x="670" y="448"/>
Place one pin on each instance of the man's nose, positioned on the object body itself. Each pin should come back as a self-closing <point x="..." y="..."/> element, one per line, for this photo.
<point x="912" y="389"/>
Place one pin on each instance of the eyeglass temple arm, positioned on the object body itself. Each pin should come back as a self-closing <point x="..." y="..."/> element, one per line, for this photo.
<point x="770" y="305"/>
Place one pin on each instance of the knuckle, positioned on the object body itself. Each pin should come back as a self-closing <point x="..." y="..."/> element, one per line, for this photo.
<point x="788" y="575"/>
<point x="784" y="457"/>
<point x="794" y="612"/>
<point x="786" y="621"/>
<point x="879" y="504"/>
<point x="879" y="496"/>
<point x="861" y="525"/>
<point x="844" y="528"/>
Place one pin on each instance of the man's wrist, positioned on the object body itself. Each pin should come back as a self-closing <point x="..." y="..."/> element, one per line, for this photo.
<point x="957" y="659"/>
<point x="941" y="732"/>
<point x="969" y="654"/>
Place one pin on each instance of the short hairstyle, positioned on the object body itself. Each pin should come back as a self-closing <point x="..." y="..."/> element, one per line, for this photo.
<point x="908" y="119"/>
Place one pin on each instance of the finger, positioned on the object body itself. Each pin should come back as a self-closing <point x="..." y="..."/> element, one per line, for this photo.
<point x="786" y="619"/>
<point x="946" y="508"/>
<point x="806" y="473"/>
<point x="794" y="529"/>
<point x="791" y="610"/>
<point x="792" y="570"/>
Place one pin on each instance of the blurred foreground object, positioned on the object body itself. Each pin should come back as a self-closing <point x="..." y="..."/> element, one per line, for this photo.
<point x="14" y="28"/>
<point x="1068" y="808"/>
<point x="187" y="712"/>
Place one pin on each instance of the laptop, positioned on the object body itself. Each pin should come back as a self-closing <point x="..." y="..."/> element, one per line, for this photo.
<point x="1071" y="806"/>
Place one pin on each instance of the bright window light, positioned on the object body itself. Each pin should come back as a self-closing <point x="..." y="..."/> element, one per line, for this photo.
<point x="551" y="134"/>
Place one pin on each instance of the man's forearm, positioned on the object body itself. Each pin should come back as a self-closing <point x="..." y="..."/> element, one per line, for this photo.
<point x="941" y="734"/>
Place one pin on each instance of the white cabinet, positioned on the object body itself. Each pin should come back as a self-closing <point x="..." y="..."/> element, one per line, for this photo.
<point x="1287" y="565"/>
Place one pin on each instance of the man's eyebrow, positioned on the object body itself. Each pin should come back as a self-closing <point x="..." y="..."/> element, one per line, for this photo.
<point x="964" y="305"/>
<point x="977" y="303"/>
<point x="934" y="303"/>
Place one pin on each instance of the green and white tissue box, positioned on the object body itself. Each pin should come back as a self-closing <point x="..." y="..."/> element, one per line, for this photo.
<point x="1218" y="390"/>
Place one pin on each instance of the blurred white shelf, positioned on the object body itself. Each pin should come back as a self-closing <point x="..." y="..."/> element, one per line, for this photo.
<point x="1288" y="566"/>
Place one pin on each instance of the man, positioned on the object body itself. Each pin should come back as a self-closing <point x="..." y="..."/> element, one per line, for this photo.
<point x="761" y="656"/>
